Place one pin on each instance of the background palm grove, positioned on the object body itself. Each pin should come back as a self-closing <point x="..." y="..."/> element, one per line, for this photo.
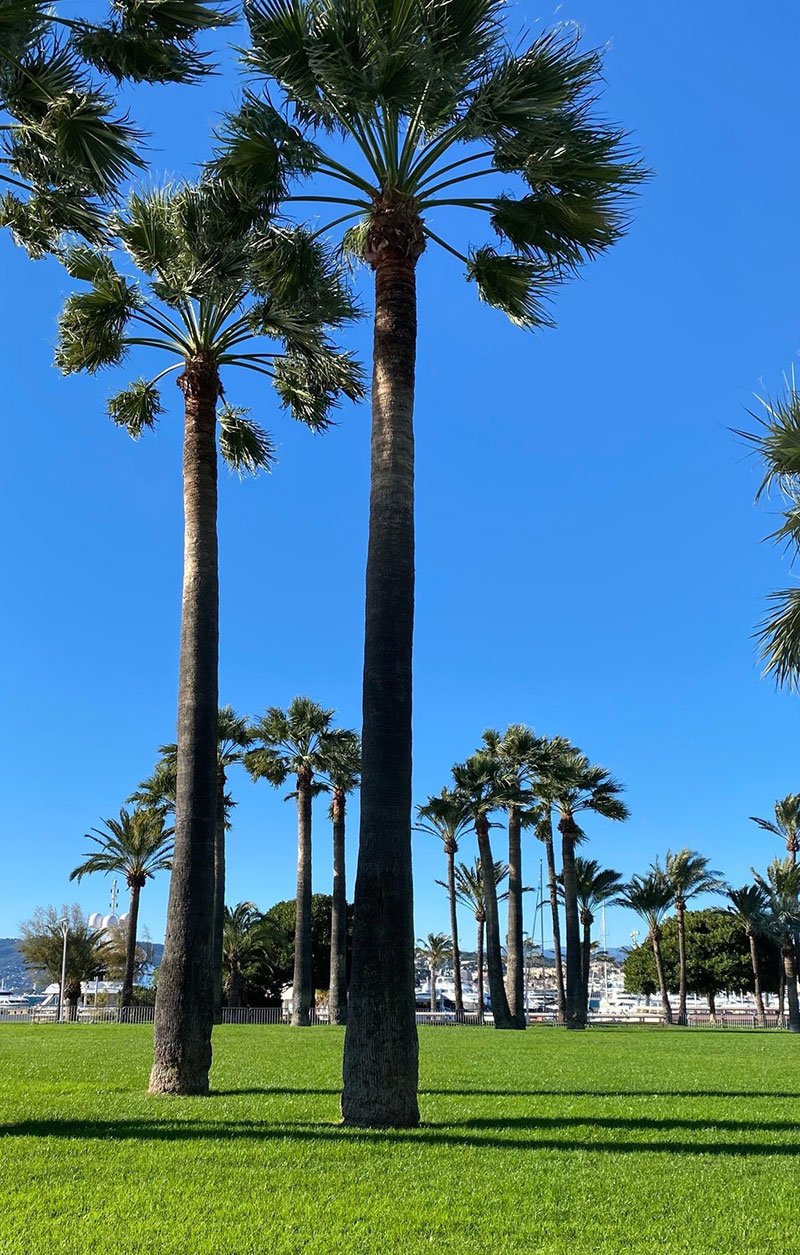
<point x="422" y="154"/>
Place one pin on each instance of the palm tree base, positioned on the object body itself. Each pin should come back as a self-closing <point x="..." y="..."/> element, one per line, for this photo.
<point x="184" y="1081"/>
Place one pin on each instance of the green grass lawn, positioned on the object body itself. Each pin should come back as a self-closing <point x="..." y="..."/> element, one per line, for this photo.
<point x="615" y="1140"/>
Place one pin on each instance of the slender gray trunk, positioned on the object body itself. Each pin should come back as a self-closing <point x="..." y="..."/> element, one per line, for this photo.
<point x="515" y="985"/>
<point x="432" y="973"/>
<point x="552" y="884"/>
<point x="126" y="996"/>
<point x="451" y="893"/>
<point x="302" y="989"/>
<point x="680" y="910"/>
<point x="762" y="1018"/>
<point x="337" y="994"/>
<point x="575" y="1005"/>
<point x="586" y="957"/>
<point x="219" y="891"/>
<point x="381" y="1052"/>
<point x="479" y="959"/>
<point x="655" y="938"/>
<point x="494" y="958"/>
<point x="790" y="981"/>
<point x="184" y="1003"/>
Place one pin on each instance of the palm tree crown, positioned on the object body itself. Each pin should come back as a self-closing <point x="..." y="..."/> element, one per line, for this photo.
<point x="137" y="845"/>
<point x="650" y="896"/>
<point x="689" y="875"/>
<point x="470" y="886"/>
<point x="786" y="823"/>
<point x="445" y="815"/>
<point x="595" y="885"/>
<point x="781" y="889"/>
<point x="749" y="906"/>
<point x="435" y="949"/>
<point x="64" y="152"/>
<point x="297" y="741"/>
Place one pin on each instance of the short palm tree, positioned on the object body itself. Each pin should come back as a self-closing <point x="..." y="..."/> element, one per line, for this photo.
<point x="245" y="932"/>
<point x="221" y="281"/>
<point x="446" y="816"/>
<point x="749" y="908"/>
<point x="296" y="743"/>
<point x="574" y="786"/>
<point x="428" y="106"/>
<point x="650" y="896"/>
<point x="136" y="846"/>
<point x="436" y="949"/>
<point x="470" y="892"/>
<point x="595" y="885"/>
<point x="518" y="752"/>
<point x="481" y="784"/>
<point x="689" y="875"/>
<point x="88" y="950"/>
<point x="65" y="154"/>
<point x="781" y="889"/>
<point x="786" y="823"/>
<point x="343" y="772"/>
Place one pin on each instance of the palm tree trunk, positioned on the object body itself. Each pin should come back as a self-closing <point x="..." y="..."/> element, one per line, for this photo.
<point x="552" y="884"/>
<point x="781" y="992"/>
<point x="586" y="956"/>
<point x="184" y="1005"/>
<point x="337" y="993"/>
<point x="712" y="1005"/>
<point x="494" y="958"/>
<point x="432" y="973"/>
<point x="762" y="1018"/>
<point x="575" y="1009"/>
<point x="662" y="980"/>
<point x="126" y="996"/>
<point x="235" y="985"/>
<point x="381" y="1052"/>
<point x="790" y="980"/>
<point x="302" y="991"/>
<point x="219" y="891"/>
<point x="479" y="960"/>
<point x="451" y="893"/>
<point x="515" y="986"/>
<point x="680" y="910"/>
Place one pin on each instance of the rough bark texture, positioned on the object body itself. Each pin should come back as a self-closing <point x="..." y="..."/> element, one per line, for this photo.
<point x="337" y="994"/>
<point x="381" y="1054"/>
<point x="680" y="910"/>
<point x="552" y="884"/>
<point x="515" y="985"/>
<point x="575" y="1016"/>
<point x="184" y="1005"/>
<point x="126" y="996"/>
<point x="451" y="851"/>
<point x="219" y="891"/>
<point x="432" y="974"/>
<point x="302" y="987"/>
<point x="479" y="958"/>
<point x="762" y="1018"/>
<point x="790" y="980"/>
<point x="655" y="938"/>
<point x="586" y="956"/>
<point x="494" y="958"/>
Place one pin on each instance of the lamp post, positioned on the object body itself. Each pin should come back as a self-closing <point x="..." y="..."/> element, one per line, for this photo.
<point x="64" y="926"/>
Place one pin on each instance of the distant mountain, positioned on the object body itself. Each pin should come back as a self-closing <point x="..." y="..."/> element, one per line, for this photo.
<point x="14" y="974"/>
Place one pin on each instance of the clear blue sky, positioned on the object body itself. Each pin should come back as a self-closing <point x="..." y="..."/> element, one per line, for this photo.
<point x="588" y="551"/>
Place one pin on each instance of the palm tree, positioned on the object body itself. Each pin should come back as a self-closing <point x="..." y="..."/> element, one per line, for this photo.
<point x="650" y="896"/>
<point x="137" y="845"/>
<point x="446" y="816"/>
<point x="748" y="907"/>
<point x="781" y="889"/>
<point x="435" y="950"/>
<point x="428" y="96"/>
<point x="481" y="784"/>
<point x="219" y="280"/>
<point x="343" y="770"/>
<point x="689" y="875"/>
<point x="574" y="785"/>
<point x="518" y="752"/>
<point x="88" y="950"/>
<point x="540" y="819"/>
<point x="245" y="932"/>
<point x="65" y="155"/>
<point x="297" y="742"/>
<point x="786" y="823"/>
<point x="594" y="886"/>
<point x="470" y="892"/>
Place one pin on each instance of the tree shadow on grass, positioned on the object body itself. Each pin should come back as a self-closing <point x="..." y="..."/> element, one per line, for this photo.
<point x="603" y="1093"/>
<point x="482" y="1134"/>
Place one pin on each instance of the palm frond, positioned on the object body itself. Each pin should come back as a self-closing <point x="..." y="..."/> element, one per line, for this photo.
<point x="136" y="407"/>
<point x="519" y="286"/>
<point x="245" y="446"/>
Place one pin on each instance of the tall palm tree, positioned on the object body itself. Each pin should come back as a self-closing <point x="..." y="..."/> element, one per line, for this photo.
<point x="650" y="896"/>
<point x="481" y="784"/>
<point x="88" y="949"/>
<point x="595" y="885"/>
<point x="446" y="816"/>
<point x="297" y="742"/>
<point x="786" y="823"/>
<point x="689" y="875"/>
<point x="436" y="949"/>
<point x="65" y="155"/>
<point x="137" y="845"/>
<point x="219" y="281"/>
<point x="422" y="99"/>
<point x="470" y="892"/>
<point x="519" y="753"/>
<point x="749" y="907"/>
<point x="574" y="785"/>
<point x="540" y="819"/>
<point x="781" y="889"/>
<point x="343" y="771"/>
